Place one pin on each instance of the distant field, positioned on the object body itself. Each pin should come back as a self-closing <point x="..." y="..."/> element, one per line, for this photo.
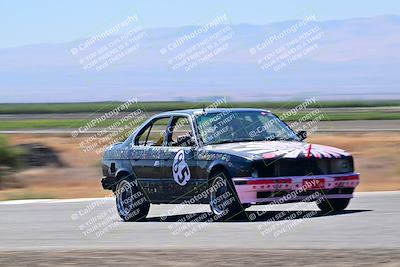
<point x="76" y="123"/>
<point x="100" y="107"/>
<point x="50" y="124"/>
<point x="75" y="115"/>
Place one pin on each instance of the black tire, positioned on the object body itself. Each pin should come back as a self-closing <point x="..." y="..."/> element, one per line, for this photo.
<point x="132" y="204"/>
<point x="329" y="205"/>
<point x="224" y="202"/>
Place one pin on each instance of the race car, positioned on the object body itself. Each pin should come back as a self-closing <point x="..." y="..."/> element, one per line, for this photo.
<point x="226" y="157"/>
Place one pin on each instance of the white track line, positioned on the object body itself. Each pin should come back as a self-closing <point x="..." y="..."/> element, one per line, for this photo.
<point x="53" y="201"/>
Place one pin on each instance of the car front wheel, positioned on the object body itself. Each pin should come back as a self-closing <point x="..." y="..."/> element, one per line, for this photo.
<point x="224" y="202"/>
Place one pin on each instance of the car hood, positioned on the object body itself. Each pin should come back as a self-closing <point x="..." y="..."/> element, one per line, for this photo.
<point x="277" y="149"/>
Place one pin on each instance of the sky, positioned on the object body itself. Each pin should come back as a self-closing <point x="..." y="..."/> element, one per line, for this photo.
<point x="48" y="21"/>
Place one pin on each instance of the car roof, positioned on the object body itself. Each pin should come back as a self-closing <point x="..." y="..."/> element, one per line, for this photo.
<point x="208" y="110"/>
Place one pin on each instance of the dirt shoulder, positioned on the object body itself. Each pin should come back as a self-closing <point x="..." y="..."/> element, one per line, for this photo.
<point x="221" y="257"/>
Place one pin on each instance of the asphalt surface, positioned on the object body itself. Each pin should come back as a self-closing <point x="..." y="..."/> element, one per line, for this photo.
<point x="370" y="222"/>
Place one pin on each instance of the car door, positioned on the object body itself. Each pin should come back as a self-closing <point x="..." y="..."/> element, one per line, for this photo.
<point x="148" y="155"/>
<point x="180" y="164"/>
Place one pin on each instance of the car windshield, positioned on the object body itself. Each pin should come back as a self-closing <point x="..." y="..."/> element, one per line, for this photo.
<point x="229" y="126"/>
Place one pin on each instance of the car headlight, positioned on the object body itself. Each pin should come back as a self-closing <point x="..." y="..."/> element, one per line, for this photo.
<point x="341" y="166"/>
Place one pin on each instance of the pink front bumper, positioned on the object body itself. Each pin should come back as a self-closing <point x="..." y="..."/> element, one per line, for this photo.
<point x="299" y="188"/>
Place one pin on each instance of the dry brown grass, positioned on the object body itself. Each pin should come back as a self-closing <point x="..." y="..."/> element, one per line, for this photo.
<point x="81" y="177"/>
<point x="377" y="157"/>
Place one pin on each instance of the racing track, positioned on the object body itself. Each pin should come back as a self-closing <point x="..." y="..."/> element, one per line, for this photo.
<point x="370" y="225"/>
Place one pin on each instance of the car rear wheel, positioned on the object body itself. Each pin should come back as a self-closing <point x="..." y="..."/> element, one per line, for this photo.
<point x="338" y="204"/>
<point x="224" y="202"/>
<point x="131" y="202"/>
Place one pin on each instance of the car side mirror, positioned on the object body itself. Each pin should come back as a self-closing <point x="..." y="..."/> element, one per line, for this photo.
<point x="302" y="135"/>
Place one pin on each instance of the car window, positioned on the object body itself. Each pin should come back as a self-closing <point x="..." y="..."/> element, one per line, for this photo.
<point x="153" y="134"/>
<point x="141" y="140"/>
<point x="180" y="132"/>
<point x="238" y="126"/>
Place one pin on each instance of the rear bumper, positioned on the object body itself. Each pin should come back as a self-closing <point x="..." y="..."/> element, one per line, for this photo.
<point x="295" y="188"/>
<point x="108" y="182"/>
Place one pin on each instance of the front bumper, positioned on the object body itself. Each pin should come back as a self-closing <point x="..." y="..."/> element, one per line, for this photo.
<point x="295" y="188"/>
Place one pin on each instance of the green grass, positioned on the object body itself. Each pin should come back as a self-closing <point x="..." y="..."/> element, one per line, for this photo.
<point x="101" y="107"/>
<point x="74" y="124"/>
<point x="8" y="155"/>
<point x="50" y="124"/>
<point x="350" y="115"/>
